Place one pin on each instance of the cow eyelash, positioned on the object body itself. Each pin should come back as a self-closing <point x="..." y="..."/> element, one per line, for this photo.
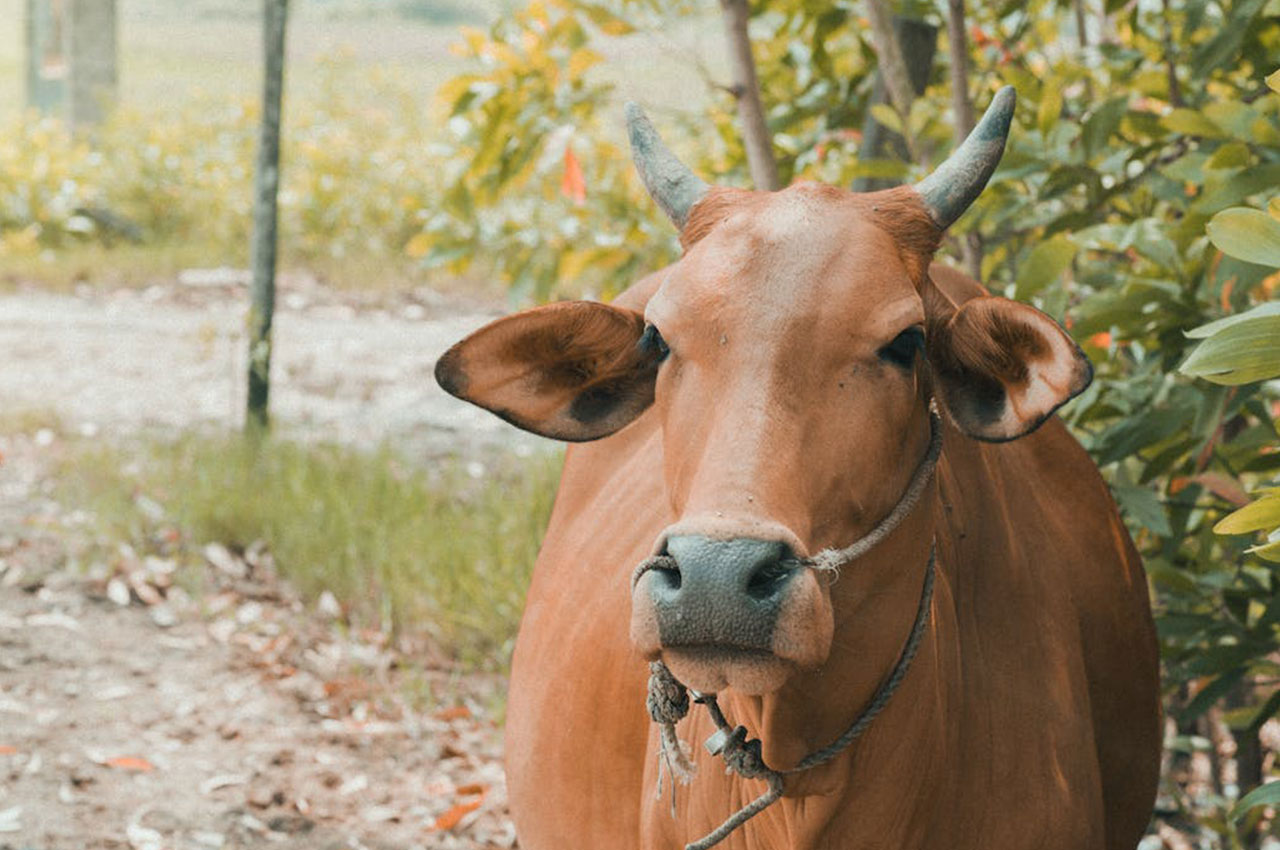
<point x="652" y="343"/>
<point x="902" y="351"/>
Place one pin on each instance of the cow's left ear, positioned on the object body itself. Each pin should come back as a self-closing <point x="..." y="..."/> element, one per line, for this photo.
<point x="1001" y="368"/>
<point x="571" y="371"/>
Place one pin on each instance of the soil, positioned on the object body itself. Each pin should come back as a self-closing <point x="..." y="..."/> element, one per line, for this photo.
<point x="136" y="712"/>
<point x="121" y="361"/>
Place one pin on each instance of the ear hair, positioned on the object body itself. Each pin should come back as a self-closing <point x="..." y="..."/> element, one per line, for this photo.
<point x="1002" y="368"/>
<point x="570" y="371"/>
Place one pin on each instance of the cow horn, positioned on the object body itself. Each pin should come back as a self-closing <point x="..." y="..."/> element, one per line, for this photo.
<point x="954" y="185"/>
<point x="669" y="181"/>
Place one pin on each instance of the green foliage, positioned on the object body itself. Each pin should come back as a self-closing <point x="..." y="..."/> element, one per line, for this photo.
<point x="1124" y="150"/>
<point x="1263" y="795"/>
<point x="534" y="186"/>
<point x="358" y="179"/>
<point x="438" y="551"/>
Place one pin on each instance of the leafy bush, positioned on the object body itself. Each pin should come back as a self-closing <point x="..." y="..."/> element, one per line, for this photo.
<point x="358" y="174"/>
<point x="1125" y="148"/>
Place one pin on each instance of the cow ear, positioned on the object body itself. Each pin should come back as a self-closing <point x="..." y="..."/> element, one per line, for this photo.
<point x="1001" y="368"/>
<point x="570" y="371"/>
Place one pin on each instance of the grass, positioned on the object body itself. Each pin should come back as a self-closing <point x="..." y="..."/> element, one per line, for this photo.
<point x="443" y="552"/>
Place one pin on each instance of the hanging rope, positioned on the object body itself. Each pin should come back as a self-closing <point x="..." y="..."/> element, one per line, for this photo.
<point x="668" y="698"/>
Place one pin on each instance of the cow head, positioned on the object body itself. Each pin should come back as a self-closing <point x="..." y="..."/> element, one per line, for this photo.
<point x="789" y="356"/>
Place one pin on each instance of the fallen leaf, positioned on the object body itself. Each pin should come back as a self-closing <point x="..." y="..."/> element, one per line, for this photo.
<point x="451" y="818"/>
<point x="223" y="780"/>
<point x="133" y="763"/>
<point x="6" y="750"/>
<point x="457" y="712"/>
<point x="220" y="557"/>
<point x="471" y="789"/>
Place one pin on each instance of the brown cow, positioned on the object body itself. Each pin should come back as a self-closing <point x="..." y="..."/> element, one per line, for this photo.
<point x="767" y="398"/>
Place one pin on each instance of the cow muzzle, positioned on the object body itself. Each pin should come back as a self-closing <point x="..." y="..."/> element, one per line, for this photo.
<point x="738" y="612"/>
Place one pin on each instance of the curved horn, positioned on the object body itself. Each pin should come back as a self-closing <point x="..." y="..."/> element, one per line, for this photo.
<point x="669" y="181"/>
<point x="949" y="190"/>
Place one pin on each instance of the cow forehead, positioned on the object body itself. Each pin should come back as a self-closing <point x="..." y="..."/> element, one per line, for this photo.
<point x="807" y="252"/>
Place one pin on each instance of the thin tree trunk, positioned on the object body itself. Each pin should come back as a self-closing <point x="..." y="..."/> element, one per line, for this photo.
<point x="893" y="69"/>
<point x="756" y="137"/>
<point x="1082" y="36"/>
<point x="266" y="187"/>
<point x="917" y="42"/>
<point x="958" y="47"/>
<point x="1170" y="59"/>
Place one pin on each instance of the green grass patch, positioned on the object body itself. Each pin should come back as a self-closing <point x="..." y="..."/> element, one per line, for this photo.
<point x="443" y="551"/>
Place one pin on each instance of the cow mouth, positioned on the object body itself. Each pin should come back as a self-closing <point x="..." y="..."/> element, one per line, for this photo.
<point x="713" y="668"/>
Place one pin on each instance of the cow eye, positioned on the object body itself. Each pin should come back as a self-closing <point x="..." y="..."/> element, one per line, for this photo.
<point x="652" y="343"/>
<point x="902" y="351"/>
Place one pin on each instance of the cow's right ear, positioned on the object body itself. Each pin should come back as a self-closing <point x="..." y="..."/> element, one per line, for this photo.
<point x="571" y="371"/>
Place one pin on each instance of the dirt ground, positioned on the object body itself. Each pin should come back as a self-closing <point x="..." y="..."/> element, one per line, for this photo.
<point x="226" y="717"/>
<point x="137" y="712"/>
<point x="115" y="362"/>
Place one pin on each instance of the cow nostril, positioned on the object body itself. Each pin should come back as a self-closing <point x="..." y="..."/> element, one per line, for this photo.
<point x="668" y="572"/>
<point x="669" y="576"/>
<point x="768" y="580"/>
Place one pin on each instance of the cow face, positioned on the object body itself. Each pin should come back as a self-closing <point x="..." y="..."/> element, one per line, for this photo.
<point x="789" y="357"/>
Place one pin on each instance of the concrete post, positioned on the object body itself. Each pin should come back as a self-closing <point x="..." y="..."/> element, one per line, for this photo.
<point x="71" y="58"/>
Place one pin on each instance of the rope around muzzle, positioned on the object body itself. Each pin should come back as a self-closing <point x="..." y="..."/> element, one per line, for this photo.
<point x="668" y="698"/>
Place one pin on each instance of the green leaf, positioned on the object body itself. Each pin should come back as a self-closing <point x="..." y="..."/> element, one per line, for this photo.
<point x="1263" y="795"/>
<point x="1225" y="46"/>
<point x="1247" y="234"/>
<point x="1192" y="123"/>
<point x="1273" y="80"/>
<point x="1211" y="693"/>
<point x="1046" y="262"/>
<point x="887" y="116"/>
<point x="1271" y="308"/>
<point x="1050" y="108"/>
<point x="1244" y="352"/>
<point x="1218" y="194"/>
<point x="1266" y="551"/>
<point x="1102" y="122"/>
<point x="1144" y="507"/>
<point x="1255" y="516"/>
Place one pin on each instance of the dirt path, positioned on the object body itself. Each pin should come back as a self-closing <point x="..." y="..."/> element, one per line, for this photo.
<point x="222" y="717"/>
<point x="171" y="357"/>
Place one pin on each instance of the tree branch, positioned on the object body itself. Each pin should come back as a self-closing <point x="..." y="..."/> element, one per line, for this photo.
<point x="756" y="137"/>
<point x="958" y="47"/>
<point x="893" y="69"/>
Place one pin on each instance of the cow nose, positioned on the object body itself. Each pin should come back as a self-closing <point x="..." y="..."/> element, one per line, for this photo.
<point x="722" y="593"/>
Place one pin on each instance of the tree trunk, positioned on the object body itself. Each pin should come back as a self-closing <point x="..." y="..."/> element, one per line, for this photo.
<point x="957" y="46"/>
<point x="266" y="187"/>
<point x="893" y="70"/>
<point x="917" y="42"/>
<point x="756" y="137"/>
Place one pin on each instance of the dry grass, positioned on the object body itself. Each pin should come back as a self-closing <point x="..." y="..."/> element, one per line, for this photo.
<point x="443" y="551"/>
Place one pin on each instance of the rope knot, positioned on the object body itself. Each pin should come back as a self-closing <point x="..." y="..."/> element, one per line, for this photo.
<point x="743" y="756"/>
<point x="668" y="699"/>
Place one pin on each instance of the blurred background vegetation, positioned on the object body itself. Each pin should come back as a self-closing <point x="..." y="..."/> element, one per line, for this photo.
<point x="1136" y="203"/>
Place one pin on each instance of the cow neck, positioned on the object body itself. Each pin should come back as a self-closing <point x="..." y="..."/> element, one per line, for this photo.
<point x="668" y="699"/>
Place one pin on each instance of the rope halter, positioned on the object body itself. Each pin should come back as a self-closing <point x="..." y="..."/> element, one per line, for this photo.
<point x="668" y="698"/>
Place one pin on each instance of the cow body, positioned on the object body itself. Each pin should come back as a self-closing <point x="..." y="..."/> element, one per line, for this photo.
<point x="1029" y="719"/>
<point x="757" y="408"/>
